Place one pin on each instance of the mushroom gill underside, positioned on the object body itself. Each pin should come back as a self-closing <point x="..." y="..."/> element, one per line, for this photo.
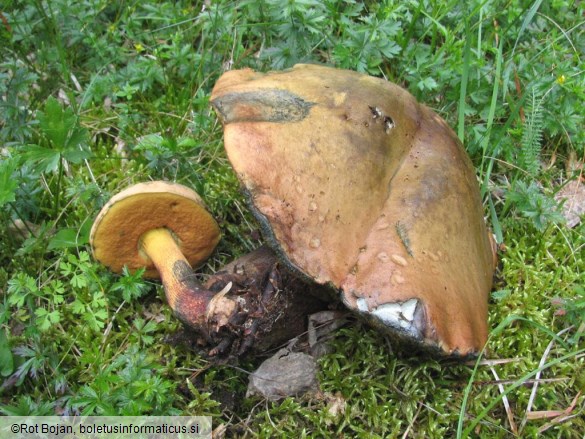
<point x="358" y="186"/>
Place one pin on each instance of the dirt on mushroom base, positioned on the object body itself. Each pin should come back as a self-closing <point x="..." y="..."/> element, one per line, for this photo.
<point x="273" y="306"/>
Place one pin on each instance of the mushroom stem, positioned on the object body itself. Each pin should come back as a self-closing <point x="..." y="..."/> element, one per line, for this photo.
<point x="186" y="297"/>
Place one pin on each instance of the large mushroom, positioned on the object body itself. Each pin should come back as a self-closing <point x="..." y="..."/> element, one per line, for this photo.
<point x="359" y="187"/>
<point x="165" y="228"/>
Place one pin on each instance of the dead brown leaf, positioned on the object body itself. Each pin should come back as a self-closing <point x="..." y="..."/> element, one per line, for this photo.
<point x="573" y="197"/>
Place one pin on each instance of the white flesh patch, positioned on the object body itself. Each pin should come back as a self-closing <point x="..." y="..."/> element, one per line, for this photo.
<point x="362" y="305"/>
<point x="398" y="315"/>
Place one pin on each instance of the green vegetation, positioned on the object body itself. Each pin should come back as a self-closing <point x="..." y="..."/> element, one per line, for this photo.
<point x="96" y="95"/>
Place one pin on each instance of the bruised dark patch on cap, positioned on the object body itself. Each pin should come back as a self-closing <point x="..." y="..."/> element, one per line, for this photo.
<point x="269" y="105"/>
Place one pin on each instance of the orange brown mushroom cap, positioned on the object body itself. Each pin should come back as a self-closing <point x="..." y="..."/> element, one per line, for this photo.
<point x="359" y="186"/>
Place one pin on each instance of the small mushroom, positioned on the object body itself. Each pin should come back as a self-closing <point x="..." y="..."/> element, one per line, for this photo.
<point x="358" y="186"/>
<point x="164" y="228"/>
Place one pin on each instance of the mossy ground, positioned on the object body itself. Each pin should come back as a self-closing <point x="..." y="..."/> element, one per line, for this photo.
<point x="97" y="95"/>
